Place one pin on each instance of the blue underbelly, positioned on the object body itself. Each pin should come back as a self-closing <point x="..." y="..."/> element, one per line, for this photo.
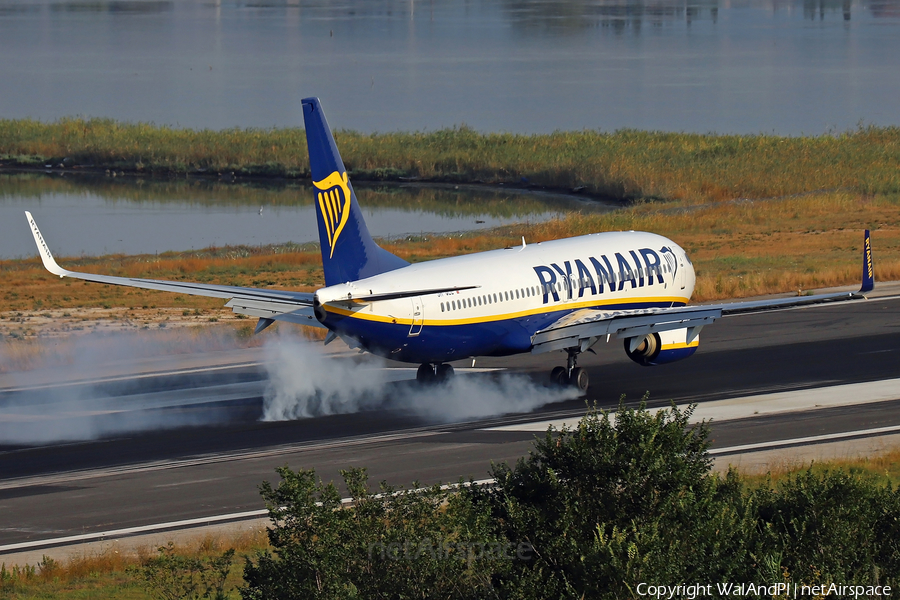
<point x="445" y="343"/>
<point x="440" y="343"/>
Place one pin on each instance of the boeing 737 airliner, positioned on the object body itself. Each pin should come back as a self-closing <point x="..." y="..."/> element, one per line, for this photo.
<point x="560" y="295"/>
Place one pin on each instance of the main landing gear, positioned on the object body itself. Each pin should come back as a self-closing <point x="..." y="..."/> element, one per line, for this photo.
<point x="428" y="373"/>
<point x="570" y="375"/>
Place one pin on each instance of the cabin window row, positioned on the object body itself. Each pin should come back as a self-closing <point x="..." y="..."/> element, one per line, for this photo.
<point x="547" y="288"/>
<point x="487" y="299"/>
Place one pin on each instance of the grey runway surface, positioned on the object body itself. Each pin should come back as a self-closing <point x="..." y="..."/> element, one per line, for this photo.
<point x="141" y="478"/>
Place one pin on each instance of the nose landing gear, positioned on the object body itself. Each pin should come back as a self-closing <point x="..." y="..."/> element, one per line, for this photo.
<point x="570" y="375"/>
<point x="428" y="374"/>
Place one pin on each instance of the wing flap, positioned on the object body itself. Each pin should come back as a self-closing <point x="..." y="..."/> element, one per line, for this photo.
<point x="570" y="333"/>
<point x="274" y="310"/>
<point x="590" y="325"/>
<point x="573" y="330"/>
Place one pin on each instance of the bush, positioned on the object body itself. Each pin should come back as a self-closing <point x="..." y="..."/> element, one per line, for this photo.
<point x="830" y="527"/>
<point x="411" y="544"/>
<point x="591" y="512"/>
<point x="172" y="576"/>
<point x="617" y="501"/>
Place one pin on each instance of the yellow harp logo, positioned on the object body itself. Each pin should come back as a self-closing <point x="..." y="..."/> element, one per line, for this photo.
<point x="869" y="258"/>
<point x="334" y="201"/>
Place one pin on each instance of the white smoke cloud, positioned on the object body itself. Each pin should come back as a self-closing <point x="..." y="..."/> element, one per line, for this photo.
<point x="73" y="395"/>
<point x="478" y="396"/>
<point x="64" y="415"/>
<point x="303" y="382"/>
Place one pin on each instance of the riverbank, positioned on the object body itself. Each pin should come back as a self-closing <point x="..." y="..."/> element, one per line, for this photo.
<point x="626" y="165"/>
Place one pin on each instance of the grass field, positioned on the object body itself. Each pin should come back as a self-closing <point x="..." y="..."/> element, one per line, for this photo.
<point x="114" y="573"/>
<point x="628" y="164"/>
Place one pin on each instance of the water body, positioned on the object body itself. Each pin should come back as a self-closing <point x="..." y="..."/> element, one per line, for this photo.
<point x="745" y="66"/>
<point x="98" y="215"/>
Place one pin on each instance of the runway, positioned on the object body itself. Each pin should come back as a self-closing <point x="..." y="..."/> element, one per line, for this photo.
<point x="135" y="479"/>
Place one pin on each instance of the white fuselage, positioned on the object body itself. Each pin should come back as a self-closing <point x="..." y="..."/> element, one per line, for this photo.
<point x="513" y="293"/>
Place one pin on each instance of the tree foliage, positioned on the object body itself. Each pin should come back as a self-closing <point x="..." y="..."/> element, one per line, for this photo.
<point x="591" y="512"/>
<point x="616" y="501"/>
<point x="393" y="544"/>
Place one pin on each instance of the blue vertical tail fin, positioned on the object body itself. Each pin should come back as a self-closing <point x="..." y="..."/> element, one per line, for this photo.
<point x="348" y="251"/>
<point x="868" y="271"/>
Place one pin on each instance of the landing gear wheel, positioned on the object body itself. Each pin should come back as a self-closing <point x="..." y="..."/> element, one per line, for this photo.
<point x="425" y="374"/>
<point x="559" y="377"/>
<point x="579" y="379"/>
<point x="444" y="372"/>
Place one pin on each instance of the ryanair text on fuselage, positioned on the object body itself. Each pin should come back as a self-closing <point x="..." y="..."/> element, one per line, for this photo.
<point x="645" y="267"/>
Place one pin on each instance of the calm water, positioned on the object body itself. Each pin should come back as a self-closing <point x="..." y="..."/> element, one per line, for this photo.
<point x="784" y="66"/>
<point x="93" y="216"/>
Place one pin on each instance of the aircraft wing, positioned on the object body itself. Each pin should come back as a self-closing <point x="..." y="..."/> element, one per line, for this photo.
<point x="581" y="329"/>
<point x="268" y="305"/>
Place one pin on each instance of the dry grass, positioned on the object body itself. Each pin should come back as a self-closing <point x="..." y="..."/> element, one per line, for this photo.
<point x="884" y="467"/>
<point x="27" y="287"/>
<point x="626" y="164"/>
<point x="751" y="248"/>
<point x="111" y="573"/>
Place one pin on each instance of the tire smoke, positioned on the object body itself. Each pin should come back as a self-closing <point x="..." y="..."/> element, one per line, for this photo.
<point x="303" y="383"/>
<point x="87" y="386"/>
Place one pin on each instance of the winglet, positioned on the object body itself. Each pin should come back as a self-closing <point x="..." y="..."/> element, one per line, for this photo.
<point x="868" y="270"/>
<point x="43" y="249"/>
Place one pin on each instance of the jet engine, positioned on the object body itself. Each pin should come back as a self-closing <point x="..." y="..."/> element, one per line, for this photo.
<point x="663" y="347"/>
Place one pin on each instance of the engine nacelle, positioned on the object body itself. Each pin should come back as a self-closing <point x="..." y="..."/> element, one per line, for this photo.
<point x="663" y="347"/>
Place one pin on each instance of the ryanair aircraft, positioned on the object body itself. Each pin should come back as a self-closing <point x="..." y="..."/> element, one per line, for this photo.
<point x="562" y="295"/>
